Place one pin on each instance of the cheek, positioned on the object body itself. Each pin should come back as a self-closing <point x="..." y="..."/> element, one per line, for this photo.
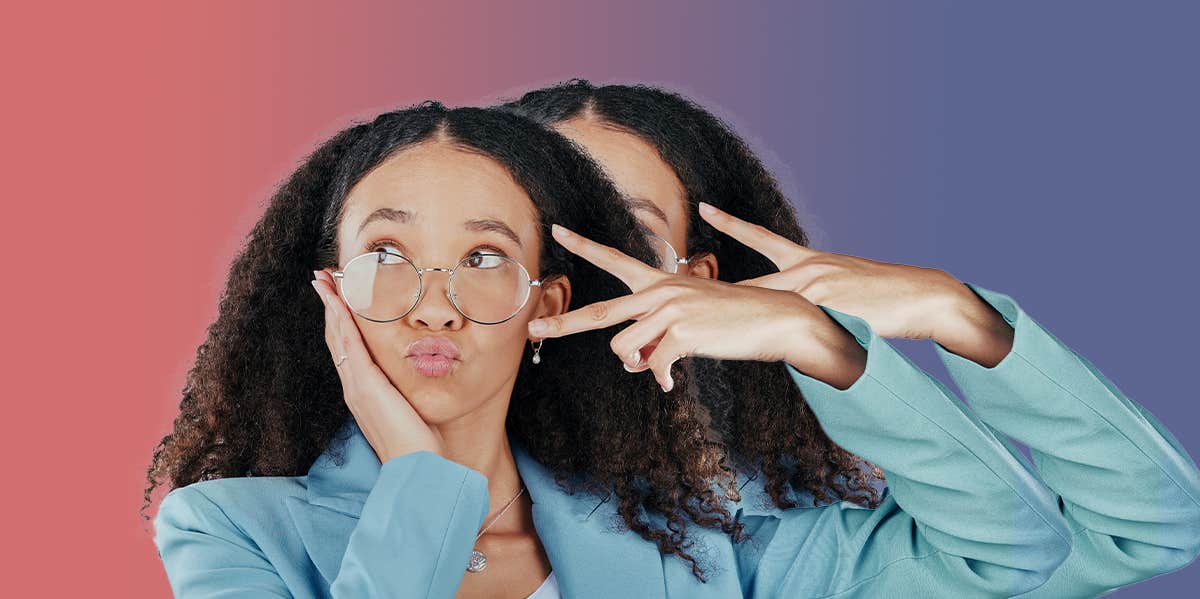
<point x="496" y="354"/>
<point x="379" y="342"/>
<point x="502" y="343"/>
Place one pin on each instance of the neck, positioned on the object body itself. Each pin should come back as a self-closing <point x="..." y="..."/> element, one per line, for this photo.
<point x="479" y="441"/>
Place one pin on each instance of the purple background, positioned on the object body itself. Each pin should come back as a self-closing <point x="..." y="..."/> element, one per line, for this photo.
<point x="1047" y="151"/>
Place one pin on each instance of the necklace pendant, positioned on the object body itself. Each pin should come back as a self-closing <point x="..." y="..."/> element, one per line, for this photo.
<point x="478" y="561"/>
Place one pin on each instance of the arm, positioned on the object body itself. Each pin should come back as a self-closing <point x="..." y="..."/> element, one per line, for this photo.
<point x="1130" y="492"/>
<point x="414" y="537"/>
<point x="206" y="555"/>
<point x="417" y="530"/>
<point x="963" y="518"/>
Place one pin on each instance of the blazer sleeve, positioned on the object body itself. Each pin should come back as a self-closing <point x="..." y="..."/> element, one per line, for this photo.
<point x="206" y="555"/>
<point x="414" y="538"/>
<point x="417" y="530"/>
<point x="1128" y="489"/>
<point x="961" y="517"/>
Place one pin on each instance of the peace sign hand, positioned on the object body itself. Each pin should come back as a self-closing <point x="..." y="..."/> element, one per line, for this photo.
<point x="897" y="300"/>
<point x="681" y="316"/>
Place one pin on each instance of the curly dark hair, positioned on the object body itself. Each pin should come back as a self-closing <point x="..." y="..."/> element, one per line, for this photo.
<point x="755" y="405"/>
<point x="263" y="399"/>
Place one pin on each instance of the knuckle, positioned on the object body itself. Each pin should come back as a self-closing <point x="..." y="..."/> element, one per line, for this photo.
<point x="759" y="231"/>
<point x="669" y="339"/>
<point x="816" y="265"/>
<point x="670" y="310"/>
<point x="814" y="290"/>
<point x="598" y="311"/>
<point x="668" y="289"/>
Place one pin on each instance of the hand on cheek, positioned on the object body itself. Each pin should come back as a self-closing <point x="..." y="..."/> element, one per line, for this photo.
<point x="387" y="420"/>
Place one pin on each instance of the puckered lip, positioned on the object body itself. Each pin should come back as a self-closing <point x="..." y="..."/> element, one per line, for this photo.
<point x="433" y="346"/>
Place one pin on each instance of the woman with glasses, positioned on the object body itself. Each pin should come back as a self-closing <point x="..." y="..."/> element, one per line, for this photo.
<point x="405" y="435"/>
<point x="1128" y="488"/>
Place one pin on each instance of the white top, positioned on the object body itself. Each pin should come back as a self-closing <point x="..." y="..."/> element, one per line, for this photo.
<point x="548" y="590"/>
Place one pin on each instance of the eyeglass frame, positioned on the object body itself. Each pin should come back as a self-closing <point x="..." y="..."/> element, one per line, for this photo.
<point x="340" y="276"/>
<point x="678" y="259"/>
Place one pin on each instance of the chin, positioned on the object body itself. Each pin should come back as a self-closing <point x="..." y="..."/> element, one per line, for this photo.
<point x="435" y="406"/>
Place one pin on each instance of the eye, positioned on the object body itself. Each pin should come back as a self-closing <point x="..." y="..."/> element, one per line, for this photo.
<point x="489" y="258"/>
<point x="389" y="251"/>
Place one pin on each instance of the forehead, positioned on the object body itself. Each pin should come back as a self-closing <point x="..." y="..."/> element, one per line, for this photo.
<point x="633" y="164"/>
<point x="442" y="185"/>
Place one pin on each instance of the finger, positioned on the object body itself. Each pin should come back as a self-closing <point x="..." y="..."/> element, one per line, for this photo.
<point x="350" y="338"/>
<point x="638" y="340"/>
<point x="634" y="273"/>
<point x="778" y="249"/>
<point x="347" y="339"/>
<point x="595" y="316"/>
<point x="333" y="336"/>
<point x="642" y="365"/>
<point x="330" y="327"/>
<point x="669" y="351"/>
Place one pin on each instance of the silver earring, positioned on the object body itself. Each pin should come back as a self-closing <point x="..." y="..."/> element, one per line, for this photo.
<point x="537" y="351"/>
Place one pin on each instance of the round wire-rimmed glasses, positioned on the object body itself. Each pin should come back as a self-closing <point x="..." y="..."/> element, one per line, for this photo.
<point x="384" y="286"/>
<point x="666" y="252"/>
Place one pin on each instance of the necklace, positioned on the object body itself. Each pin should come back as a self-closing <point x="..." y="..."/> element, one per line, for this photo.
<point x="478" y="559"/>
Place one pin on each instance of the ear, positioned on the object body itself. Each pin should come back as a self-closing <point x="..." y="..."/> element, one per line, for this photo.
<point x="554" y="299"/>
<point x="703" y="266"/>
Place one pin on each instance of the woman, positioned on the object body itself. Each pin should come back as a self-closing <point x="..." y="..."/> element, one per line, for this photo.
<point x="1130" y="491"/>
<point x="667" y="154"/>
<point x="396" y="480"/>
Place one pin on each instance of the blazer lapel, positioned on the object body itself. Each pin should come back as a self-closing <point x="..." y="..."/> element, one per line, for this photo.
<point x="327" y="515"/>
<point x="589" y="559"/>
<point x="589" y="552"/>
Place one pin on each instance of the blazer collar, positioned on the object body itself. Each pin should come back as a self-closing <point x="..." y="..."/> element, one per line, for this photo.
<point x="344" y="485"/>
<point x="342" y="482"/>
<point x="591" y="555"/>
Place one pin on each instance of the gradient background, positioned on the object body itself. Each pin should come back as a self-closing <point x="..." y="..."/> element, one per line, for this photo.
<point x="1045" y="150"/>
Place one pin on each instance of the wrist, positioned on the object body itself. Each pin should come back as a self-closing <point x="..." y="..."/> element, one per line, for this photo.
<point x="973" y="329"/>
<point x="829" y="353"/>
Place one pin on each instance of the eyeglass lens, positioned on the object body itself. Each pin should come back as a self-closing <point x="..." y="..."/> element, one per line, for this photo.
<point x="485" y="288"/>
<point x="668" y="260"/>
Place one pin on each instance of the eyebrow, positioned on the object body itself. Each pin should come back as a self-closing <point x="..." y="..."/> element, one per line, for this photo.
<point x="648" y="206"/>
<point x="389" y="214"/>
<point x="483" y="225"/>
<point x="494" y="226"/>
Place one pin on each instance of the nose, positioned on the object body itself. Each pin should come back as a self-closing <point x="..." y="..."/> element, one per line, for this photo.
<point x="434" y="310"/>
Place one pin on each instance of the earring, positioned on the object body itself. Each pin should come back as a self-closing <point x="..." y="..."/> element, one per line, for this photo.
<point x="537" y="351"/>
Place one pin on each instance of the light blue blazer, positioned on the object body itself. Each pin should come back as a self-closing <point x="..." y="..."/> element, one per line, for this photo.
<point x="1113" y="500"/>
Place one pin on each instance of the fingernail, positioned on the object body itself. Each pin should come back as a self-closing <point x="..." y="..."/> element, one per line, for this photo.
<point x="636" y="357"/>
<point x="670" y="385"/>
<point x="560" y="231"/>
<point x="317" y="288"/>
<point x="316" y="274"/>
<point x="707" y="209"/>
<point x="627" y="368"/>
<point x="537" y="327"/>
